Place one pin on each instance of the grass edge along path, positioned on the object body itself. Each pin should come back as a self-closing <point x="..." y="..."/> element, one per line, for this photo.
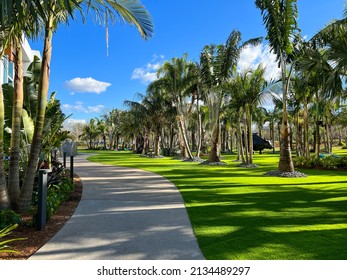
<point x="238" y="213"/>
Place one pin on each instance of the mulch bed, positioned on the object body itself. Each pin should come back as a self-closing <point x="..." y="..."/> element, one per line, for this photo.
<point x="37" y="238"/>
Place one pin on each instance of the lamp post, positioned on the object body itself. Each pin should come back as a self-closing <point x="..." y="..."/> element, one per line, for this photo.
<point x="42" y="199"/>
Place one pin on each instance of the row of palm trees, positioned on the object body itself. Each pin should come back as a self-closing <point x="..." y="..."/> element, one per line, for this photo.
<point x="306" y="96"/>
<point x="35" y="18"/>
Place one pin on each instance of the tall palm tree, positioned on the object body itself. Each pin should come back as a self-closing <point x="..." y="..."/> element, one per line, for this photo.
<point x="16" y="20"/>
<point x="280" y="20"/>
<point x="52" y="13"/>
<point x="175" y="81"/>
<point x="217" y="65"/>
<point x="251" y="84"/>
<point x="323" y="79"/>
<point x="90" y="132"/>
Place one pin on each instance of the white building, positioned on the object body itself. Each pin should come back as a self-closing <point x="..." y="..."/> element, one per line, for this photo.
<point x="7" y="66"/>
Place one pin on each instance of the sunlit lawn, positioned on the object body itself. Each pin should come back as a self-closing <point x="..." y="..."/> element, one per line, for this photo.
<point x="238" y="213"/>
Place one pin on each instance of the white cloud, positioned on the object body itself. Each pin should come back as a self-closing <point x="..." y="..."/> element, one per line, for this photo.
<point x="251" y="57"/>
<point x="80" y="107"/>
<point x="148" y="73"/>
<point x="70" y="123"/>
<point x="89" y="85"/>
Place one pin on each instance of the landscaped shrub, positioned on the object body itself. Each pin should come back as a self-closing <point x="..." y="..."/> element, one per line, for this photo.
<point x="327" y="162"/>
<point x="9" y="217"/>
<point x="306" y="162"/>
<point x="59" y="189"/>
<point x="56" y="194"/>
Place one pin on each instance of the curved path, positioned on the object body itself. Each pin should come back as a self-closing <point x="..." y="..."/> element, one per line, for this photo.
<point x="126" y="214"/>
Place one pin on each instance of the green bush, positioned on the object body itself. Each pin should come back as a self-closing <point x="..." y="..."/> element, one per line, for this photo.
<point x="307" y="162"/>
<point x="9" y="217"/>
<point x="59" y="190"/>
<point x="328" y="161"/>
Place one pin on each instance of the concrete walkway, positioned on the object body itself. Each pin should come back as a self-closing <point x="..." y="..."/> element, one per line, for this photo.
<point x="124" y="214"/>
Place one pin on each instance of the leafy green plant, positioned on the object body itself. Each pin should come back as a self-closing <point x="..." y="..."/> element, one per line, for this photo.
<point x="330" y="162"/>
<point x="4" y="247"/>
<point x="57" y="193"/>
<point x="9" y="217"/>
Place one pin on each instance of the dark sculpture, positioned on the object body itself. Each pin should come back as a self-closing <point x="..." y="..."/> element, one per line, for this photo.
<point x="259" y="144"/>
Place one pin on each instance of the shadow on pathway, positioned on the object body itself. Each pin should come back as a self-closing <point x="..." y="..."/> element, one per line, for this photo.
<point x="126" y="214"/>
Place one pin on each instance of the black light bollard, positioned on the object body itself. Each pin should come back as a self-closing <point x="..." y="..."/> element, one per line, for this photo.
<point x="42" y="203"/>
<point x="71" y="167"/>
<point x="64" y="159"/>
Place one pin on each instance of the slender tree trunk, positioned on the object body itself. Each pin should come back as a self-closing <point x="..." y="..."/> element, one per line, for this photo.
<point x="146" y="143"/>
<point x="331" y="140"/>
<point x="13" y="176"/>
<point x="199" y="130"/>
<point x="285" y="163"/>
<point x="232" y="135"/>
<point x="215" y="136"/>
<point x="183" y="130"/>
<point x="28" y="184"/>
<point x="4" y="196"/>
<point x="245" y="138"/>
<point x="172" y="136"/>
<point x="214" y="106"/>
<point x="272" y="133"/>
<point x="157" y="144"/>
<point x="306" y="128"/>
<point x="317" y="143"/>
<point x="250" y="135"/>
<point x="240" y="141"/>
<point x="340" y="136"/>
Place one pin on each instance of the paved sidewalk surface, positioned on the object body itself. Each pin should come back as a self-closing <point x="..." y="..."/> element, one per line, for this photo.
<point x="124" y="214"/>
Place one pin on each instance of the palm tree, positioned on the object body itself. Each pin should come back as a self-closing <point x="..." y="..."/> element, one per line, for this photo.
<point x="16" y="20"/>
<point x="217" y="65"/>
<point x="53" y="12"/>
<point x="323" y="79"/>
<point x="90" y="132"/>
<point x="175" y="81"/>
<point x="280" y="20"/>
<point x="251" y="84"/>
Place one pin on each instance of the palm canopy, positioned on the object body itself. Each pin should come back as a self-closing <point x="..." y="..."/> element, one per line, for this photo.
<point x="279" y="17"/>
<point x="218" y="61"/>
<point x="127" y="11"/>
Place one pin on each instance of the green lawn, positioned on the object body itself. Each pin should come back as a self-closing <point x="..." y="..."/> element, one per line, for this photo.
<point x="238" y="213"/>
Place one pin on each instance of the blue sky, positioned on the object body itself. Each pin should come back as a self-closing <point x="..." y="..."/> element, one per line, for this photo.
<point x="89" y="83"/>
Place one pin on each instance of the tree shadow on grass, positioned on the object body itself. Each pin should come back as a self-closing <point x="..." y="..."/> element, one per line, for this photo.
<point x="297" y="224"/>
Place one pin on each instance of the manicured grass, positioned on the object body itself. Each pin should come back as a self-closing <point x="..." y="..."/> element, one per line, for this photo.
<point x="238" y="213"/>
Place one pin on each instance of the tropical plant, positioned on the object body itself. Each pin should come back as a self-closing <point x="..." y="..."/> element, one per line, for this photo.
<point x="280" y="20"/>
<point x="4" y="247"/>
<point x="217" y="66"/>
<point x="50" y="14"/>
<point x="175" y="81"/>
<point x="8" y="217"/>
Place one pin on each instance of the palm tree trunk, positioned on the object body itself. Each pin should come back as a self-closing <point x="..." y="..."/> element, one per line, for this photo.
<point x="317" y="132"/>
<point x="183" y="130"/>
<point x="4" y="196"/>
<point x="214" y="155"/>
<point x="13" y="176"/>
<point x="146" y="142"/>
<point x="306" y="127"/>
<point x="245" y="138"/>
<point x="157" y="144"/>
<point x="199" y="132"/>
<point x="285" y="163"/>
<point x="250" y="135"/>
<point x="240" y="141"/>
<point x="272" y="133"/>
<point x="28" y="184"/>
